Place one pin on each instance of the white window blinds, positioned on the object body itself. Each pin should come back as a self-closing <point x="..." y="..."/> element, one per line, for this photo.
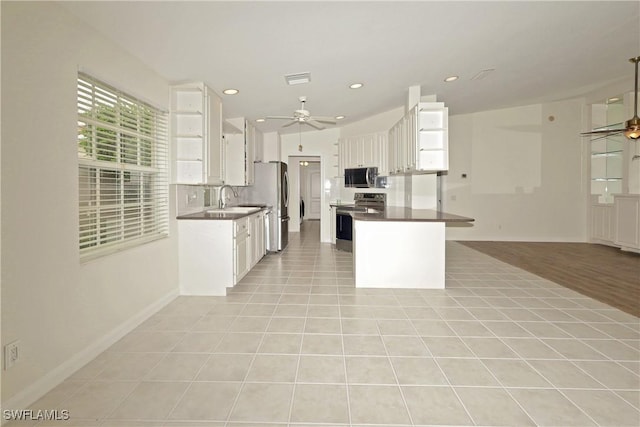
<point x="122" y="170"/>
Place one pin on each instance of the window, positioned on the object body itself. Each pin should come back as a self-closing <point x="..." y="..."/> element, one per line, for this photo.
<point x="122" y="170"/>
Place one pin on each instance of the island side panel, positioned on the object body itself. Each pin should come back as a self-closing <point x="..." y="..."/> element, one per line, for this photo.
<point x="206" y="257"/>
<point x="399" y="254"/>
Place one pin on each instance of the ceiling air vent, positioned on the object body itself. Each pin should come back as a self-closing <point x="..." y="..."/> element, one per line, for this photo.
<point x="482" y="74"/>
<point x="297" y="78"/>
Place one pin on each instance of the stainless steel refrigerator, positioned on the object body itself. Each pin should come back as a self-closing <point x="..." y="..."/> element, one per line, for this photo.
<point x="271" y="187"/>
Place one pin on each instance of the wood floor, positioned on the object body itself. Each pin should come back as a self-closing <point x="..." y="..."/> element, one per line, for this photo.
<point x="600" y="272"/>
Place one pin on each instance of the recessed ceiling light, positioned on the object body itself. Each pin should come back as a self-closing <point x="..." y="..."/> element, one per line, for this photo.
<point x="231" y="91"/>
<point x="356" y="85"/>
<point x="339" y="117"/>
<point x="612" y="100"/>
<point x="451" y="79"/>
<point x="259" y="120"/>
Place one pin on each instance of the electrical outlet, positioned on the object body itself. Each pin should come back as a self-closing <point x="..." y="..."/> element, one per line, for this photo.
<point x="191" y="198"/>
<point x="11" y="354"/>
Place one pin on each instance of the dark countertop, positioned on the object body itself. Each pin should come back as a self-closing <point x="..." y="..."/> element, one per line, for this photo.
<point x="393" y="213"/>
<point x="221" y="215"/>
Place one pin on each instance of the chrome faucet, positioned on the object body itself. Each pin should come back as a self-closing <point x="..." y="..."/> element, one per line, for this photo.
<point x="221" y="200"/>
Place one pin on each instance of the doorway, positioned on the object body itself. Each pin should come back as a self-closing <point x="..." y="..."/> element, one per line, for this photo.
<point x="310" y="190"/>
<point x="297" y="189"/>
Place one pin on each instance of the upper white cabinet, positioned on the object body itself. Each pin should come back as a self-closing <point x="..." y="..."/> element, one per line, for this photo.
<point x="419" y="142"/>
<point x="196" y="129"/>
<point x="258" y="147"/>
<point x="363" y="151"/>
<point x="240" y="138"/>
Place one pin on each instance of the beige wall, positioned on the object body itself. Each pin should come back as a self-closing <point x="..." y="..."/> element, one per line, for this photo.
<point x="63" y="312"/>
<point x="525" y="173"/>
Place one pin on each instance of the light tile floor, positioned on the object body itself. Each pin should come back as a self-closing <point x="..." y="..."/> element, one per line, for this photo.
<point x="295" y="344"/>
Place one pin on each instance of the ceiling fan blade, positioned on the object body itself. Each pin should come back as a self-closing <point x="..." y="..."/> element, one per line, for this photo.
<point x="292" y="122"/>
<point x="324" y="119"/>
<point x="320" y="120"/>
<point x="314" y="124"/>
<point x="279" y="117"/>
<point x="603" y="132"/>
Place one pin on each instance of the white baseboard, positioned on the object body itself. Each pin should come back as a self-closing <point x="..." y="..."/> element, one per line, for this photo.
<point x="52" y="379"/>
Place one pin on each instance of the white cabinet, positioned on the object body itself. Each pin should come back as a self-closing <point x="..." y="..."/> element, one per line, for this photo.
<point x="419" y="142"/>
<point x="381" y="153"/>
<point x="241" y="247"/>
<point x="196" y="129"/>
<point x="240" y="139"/>
<point x="602" y="223"/>
<point x="258" y="247"/>
<point x="363" y="151"/>
<point x="432" y="138"/>
<point x="216" y="254"/>
<point x="618" y="223"/>
<point x="249" y="244"/>
<point x="627" y="219"/>
<point x="258" y="155"/>
<point x="343" y="156"/>
<point x="206" y="252"/>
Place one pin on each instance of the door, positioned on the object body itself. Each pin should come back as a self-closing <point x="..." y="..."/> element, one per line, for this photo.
<point x="313" y="191"/>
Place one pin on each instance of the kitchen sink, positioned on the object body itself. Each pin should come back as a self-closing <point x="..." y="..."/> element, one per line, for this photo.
<point x="235" y="209"/>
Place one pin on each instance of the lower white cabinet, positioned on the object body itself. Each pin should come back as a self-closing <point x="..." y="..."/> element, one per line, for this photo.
<point x="603" y="223"/>
<point x="618" y="223"/>
<point x="627" y="219"/>
<point x="216" y="254"/>
<point x="241" y="247"/>
<point x="258" y="244"/>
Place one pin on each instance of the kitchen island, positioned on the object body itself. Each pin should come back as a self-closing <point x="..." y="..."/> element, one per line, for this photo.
<point x="401" y="247"/>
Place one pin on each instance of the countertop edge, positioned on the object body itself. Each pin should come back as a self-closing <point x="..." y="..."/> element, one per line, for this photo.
<point x="410" y="215"/>
<point x="203" y="215"/>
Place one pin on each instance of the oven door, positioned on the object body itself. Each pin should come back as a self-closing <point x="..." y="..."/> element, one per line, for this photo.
<point x="344" y="230"/>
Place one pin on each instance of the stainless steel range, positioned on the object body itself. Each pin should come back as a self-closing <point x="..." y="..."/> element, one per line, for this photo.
<point x="363" y="202"/>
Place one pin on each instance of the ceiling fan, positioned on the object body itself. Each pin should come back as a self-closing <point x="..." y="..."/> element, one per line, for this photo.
<point x="632" y="126"/>
<point x="303" y="116"/>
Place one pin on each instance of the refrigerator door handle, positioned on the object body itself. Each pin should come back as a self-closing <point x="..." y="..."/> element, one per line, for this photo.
<point x="285" y="189"/>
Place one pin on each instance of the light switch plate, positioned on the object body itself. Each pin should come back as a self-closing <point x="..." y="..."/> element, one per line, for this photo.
<point x="11" y="354"/>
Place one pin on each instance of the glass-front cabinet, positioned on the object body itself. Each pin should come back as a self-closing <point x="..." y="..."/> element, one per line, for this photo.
<point x="606" y="167"/>
<point x="614" y="209"/>
<point x="607" y="152"/>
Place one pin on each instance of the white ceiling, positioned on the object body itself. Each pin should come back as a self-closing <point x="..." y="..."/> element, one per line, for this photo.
<point x="541" y="51"/>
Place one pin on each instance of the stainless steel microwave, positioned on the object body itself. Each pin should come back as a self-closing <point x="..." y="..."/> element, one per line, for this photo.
<point x="360" y="177"/>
